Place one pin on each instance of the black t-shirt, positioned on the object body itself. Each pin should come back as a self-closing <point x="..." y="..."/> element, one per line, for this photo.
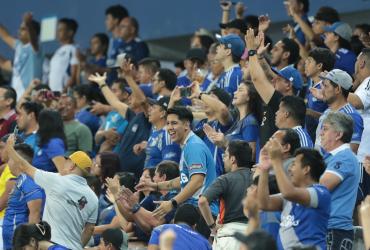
<point x="268" y="127"/>
<point x="137" y="130"/>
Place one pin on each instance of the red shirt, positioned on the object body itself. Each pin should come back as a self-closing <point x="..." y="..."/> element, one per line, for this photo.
<point x="8" y="122"/>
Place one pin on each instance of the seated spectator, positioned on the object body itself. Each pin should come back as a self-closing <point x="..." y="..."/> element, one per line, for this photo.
<point x="336" y="87"/>
<point x="8" y="114"/>
<point x="185" y="220"/>
<point x="26" y="200"/>
<point x="63" y="72"/>
<point x="113" y="239"/>
<point x="34" y="236"/>
<point x="341" y="177"/>
<point x="304" y="203"/>
<point x="164" y="82"/>
<point x="337" y="39"/>
<point x="76" y="194"/>
<point x="51" y="142"/>
<point x="238" y="160"/>
<point x="84" y="97"/>
<point x="298" y="9"/>
<point x="78" y="135"/>
<point x="229" y="52"/>
<point x="27" y="121"/>
<point x="319" y="60"/>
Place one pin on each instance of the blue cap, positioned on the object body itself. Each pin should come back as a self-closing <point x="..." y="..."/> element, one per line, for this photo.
<point x="292" y="75"/>
<point x="233" y="42"/>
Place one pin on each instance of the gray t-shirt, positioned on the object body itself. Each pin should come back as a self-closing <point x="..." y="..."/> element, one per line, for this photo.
<point x="230" y="189"/>
<point x="70" y="204"/>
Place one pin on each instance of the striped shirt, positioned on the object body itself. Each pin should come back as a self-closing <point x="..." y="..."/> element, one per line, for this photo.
<point x="304" y="137"/>
<point x="230" y="80"/>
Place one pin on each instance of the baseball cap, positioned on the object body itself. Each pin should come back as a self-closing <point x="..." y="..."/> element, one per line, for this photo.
<point x="233" y="42"/>
<point x="292" y="75"/>
<point x="340" y="78"/>
<point x="116" y="237"/>
<point x="81" y="160"/>
<point x="163" y="102"/>
<point x="341" y="29"/>
<point x="196" y="53"/>
<point x="236" y="23"/>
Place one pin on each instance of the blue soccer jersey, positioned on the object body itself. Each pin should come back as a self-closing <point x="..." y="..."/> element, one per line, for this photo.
<point x="160" y="147"/>
<point x="230" y="79"/>
<point x="301" y="225"/>
<point x="24" y="191"/>
<point x="343" y="163"/>
<point x="43" y="157"/>
<point x="304" y="137"/>
<point x="345" y="60"/>
<point x="197" y="159"/>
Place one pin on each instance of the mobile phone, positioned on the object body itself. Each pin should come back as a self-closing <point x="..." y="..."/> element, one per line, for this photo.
<point x="15" y="131"/>
<point x="185" y="91"/>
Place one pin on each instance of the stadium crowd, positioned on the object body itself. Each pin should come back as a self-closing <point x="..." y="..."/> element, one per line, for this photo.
<point x="246" y="144"/>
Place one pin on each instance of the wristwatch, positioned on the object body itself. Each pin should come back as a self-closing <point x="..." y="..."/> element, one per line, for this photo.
<point x="135" y="208"/>
<point x="174" y="203"/>
<point x="252" y="52"/>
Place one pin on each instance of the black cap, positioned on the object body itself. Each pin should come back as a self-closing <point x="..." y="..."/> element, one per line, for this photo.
<point x="163" y="102"/>
<point x="257" y="240"/>
<point x="222" y="95"/>
<point x="236" y="24"/>
<point x="115" y="237"/>
<point x="188" y="214"/>
<point x="196" y="53"/>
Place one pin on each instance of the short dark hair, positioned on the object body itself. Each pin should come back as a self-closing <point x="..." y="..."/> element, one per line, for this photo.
<point x="222" y="95"/>
<point x="32" y="107"/>
<point x="127" y="179"/>
<point x="117" y="12"/>
<point x="104" y="40"/>
<point x="184" y="114"/>
<point x="188" y="214"/>
<point x="169" y="168"/>
<point x="251" y="21"/>
<point x="327" y="14"/>
<point x="122" y="83"/>
<point x="25" y="232"/>
<point x="206" y="42"/>
<point x="272" y="182"/>
<point x="169" y="77"/>
<point x="323" y="56"/>
<point x="242" y="153"/>
<point x="258" y="240"/>
<point x="291" y="137"/>
<point x="70" y="23"/>
<point x="25" y="151"/>
<point x="84" y="90"/>
<point x="312" y="158"/>
<point x="296" y="108"/>
<point x="10" y="93"/>
<point x="306" y="5"/>
<point x="151" y="64"/>
<point x="365" y="27"/>
<point x="345" y="92"/>
<point x="289" y="45"/>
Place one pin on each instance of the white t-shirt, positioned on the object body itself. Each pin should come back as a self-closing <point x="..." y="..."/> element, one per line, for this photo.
<point x="60" y="66"/>
<point x="363" y="92"/>
<point x="70" y="204"/>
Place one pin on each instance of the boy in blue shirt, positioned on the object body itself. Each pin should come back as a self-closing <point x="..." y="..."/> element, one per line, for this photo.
<point x="304" y="203"/>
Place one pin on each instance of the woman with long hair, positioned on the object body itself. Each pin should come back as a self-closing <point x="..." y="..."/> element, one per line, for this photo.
<point x="49" y="154"/>
<point x="34" y="237"/>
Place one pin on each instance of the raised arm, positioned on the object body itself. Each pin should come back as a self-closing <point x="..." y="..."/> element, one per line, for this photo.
<point x="111" y="98"/>
<point x="226" y="7"/>
<point x="8" y="39"/>
<point x="27" y="19"/>
<point x="127" y="69"/>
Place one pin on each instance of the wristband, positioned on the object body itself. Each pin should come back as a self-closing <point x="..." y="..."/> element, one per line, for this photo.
<point x="135" y="208"/>
<point x="174" y="203"/>
<point x="102" y="86"/>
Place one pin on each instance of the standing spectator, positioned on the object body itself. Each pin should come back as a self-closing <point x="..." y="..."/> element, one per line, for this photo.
<point x="341" y="177"/>
<point x="185" y="221"/>
<point x="337" y="39"/>
<point x="284" y="53"/>
<point x="145" y="74"/>
<point x="78" y="135"/>
<point x="71" y="211"/>
<point x="26" y="199"/>
<point x="325" y="16"/>
<point x="238" y="161"/>
<point x="164" y="82"/>
<point x="113" y="16"/>
<point x="27" y="64"/>
<point x="64" y="63"/>
<point x="229" y="53"/>
<point x="298" y="9"/>
<point x="319" y="60"/>
<point x="132" y="45"/>
<point x="51" y="142"/>
<point x="215" y="70"/>
<point x="305" y="204"/>
<point x="27" y="122"/>
<point x="195" y="59"/>
<point x="8" y="116"/>
<point x="336" y="87"/>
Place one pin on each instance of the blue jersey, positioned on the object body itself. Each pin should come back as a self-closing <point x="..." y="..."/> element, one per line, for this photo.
<point x="43" y="156"/>
<point x="305" y="225"/>
<point x="270" y="222"/>
<point x="57" y="247"/>
<point x="113" y="50"/>
<point x="298" y="31"/>
<point x="116" y="121"/>
<point x="216" y="152"/>
<point x="197" y="159"/>
<point x="343" y="163"/>
<point x="101" y="62"/>
<point x="304" y="137"/>
<point x="89" y="119"/>
<point x="160" y="147"/>
<point x="30" y="139"/>
<point x="135" y="48"/>
<point x="231" y="79"/>
<point x="186" y="237"/>
<point x="345" y="60"/>
<point x="24" y="191"/>
<point x="183" y="81"/>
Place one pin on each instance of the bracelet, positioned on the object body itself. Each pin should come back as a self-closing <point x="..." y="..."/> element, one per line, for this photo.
<point x="174" y="203"/>
<point x="102" y="86"/>
<point x="135" y="208"/>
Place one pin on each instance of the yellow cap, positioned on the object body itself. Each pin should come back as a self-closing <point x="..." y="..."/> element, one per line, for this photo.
<point x="81" y="160"/>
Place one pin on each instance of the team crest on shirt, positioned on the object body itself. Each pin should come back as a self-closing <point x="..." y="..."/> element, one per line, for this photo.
<point x="337" y="165"/>
<point x="80" y="204"/>
<point x="134" y="128"/>
<point x="288" y="221"/>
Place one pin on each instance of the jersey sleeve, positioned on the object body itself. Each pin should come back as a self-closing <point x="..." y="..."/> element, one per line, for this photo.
<point x="250" y="129"/>
<point x="32" y="191"/>
<point x="319" y="196"/>
<point x="196" y="159"/>
<point x="338" y="167"/>
<point x="358" y="127"/>
<point x="234" y="81"/>
<point x="363" y="92"/>
<point x="217" y="188"/>
<point x="55" y="148"/>
<point x="48" y="180"/>
<point x="73" y="60"/>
